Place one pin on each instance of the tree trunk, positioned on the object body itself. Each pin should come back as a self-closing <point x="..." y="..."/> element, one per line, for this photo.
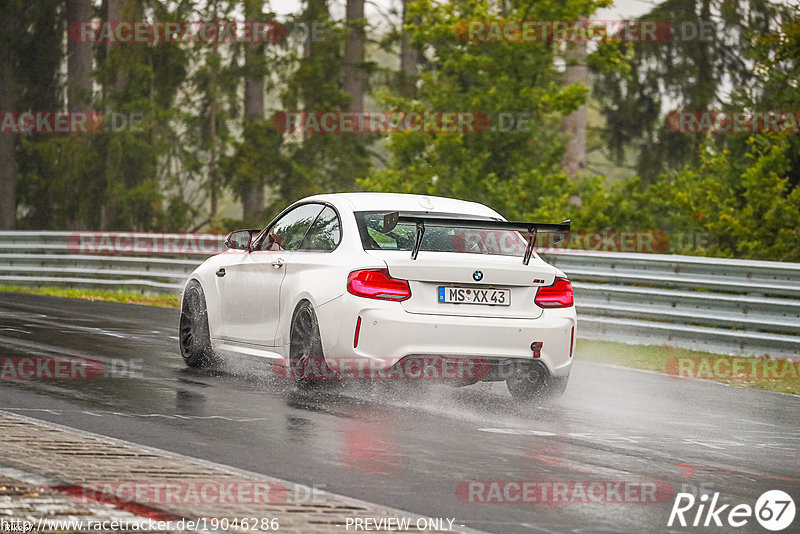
<point x="253" y="197"/>
<point x="212" y="163"/>
<point x="213" y="169"/>
<point x="575" y="124"/>
<point x="354" y="55"/>
<point x="79" y="60"/>
<point x="8" y="141"/>
<point x="117" y="11"/>
<point x="108" y="210"/>
<point x="79" y="83"/>
<point x="408" y="59"/>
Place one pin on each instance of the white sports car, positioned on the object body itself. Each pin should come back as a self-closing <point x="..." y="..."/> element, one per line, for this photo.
<point x="390" y="286"/>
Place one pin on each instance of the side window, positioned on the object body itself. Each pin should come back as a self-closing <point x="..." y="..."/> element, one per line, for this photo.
<point x="325" y="233"/>
<point x="288" y="231"/>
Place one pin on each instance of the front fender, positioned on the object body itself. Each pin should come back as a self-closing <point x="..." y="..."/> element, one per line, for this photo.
<point x="212" y="285"/>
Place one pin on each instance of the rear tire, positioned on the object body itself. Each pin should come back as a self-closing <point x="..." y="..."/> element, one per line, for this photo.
<point x="193" y="334"/>
<point x="534" y="383"/>
<point x="306" y="358"/>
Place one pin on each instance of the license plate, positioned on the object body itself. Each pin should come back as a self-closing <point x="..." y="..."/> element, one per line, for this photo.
<point x="470" y="295"/>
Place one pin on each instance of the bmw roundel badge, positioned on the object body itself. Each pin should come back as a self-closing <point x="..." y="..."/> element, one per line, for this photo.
<point x="477" y="276"/>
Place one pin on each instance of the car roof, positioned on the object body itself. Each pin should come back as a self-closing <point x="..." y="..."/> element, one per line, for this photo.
<point x="405" y="202"/>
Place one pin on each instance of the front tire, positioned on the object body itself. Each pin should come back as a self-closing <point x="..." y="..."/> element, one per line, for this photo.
<point x="193" y="335"/>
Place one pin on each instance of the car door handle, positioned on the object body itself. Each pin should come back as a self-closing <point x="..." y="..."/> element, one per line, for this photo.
<point x="278" y="263"/>
<point x="221" y="272"/>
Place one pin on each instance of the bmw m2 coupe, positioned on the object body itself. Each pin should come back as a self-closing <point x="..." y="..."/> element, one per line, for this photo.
<point x="391" y="286"/>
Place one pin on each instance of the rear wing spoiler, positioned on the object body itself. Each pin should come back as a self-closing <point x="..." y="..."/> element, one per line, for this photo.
<point x="391" y="220"/>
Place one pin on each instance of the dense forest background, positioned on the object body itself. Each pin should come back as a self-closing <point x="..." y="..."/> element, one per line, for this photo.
<point x="201" y="150"/>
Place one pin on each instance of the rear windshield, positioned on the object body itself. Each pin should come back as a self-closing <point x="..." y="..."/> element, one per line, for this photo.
<point x="438" y="238"/>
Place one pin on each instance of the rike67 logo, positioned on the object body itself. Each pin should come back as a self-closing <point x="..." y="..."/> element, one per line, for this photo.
<point x="774" y="510"/>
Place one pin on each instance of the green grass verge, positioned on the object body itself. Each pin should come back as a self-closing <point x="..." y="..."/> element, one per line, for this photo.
<point x="757" y="373"/>
<point x="130" y="297"/>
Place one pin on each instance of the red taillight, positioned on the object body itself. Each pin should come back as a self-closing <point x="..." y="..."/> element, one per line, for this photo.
<point x="557" y="295"/>
<point x="377" y="284"/>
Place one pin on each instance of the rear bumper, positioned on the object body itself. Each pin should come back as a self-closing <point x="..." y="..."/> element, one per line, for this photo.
<point x="389" y="333"/>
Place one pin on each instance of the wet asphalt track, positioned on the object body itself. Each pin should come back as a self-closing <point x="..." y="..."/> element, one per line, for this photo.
<point x="410" y="448"/>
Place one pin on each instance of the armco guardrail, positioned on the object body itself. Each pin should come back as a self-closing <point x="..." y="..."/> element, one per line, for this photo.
<point x="713" y="304"/>
<point x="158" y="263"/>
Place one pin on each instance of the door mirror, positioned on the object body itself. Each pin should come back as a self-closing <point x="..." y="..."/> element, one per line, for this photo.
<point x="241" y="239"/>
